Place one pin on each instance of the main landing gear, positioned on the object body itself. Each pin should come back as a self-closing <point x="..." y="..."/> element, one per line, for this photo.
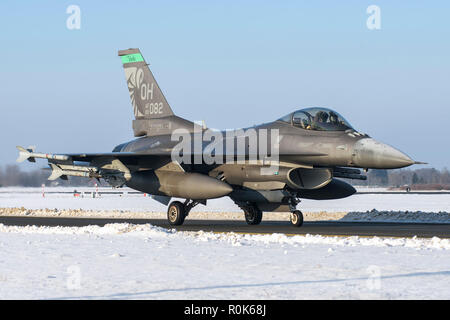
<point x="253" y="215"/>
<point x="178" y="211"/>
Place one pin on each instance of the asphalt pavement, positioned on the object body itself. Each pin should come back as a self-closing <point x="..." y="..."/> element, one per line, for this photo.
<point x="327" y="228"/>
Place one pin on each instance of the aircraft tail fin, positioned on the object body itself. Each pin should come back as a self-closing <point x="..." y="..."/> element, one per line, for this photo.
<point x="146" y="97"/>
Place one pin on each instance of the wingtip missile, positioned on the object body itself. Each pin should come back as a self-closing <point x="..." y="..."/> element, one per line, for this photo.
<point x="30" y="155"/>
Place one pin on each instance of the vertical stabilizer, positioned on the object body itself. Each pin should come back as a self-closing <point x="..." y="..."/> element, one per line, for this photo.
<point x="146" y="97"/>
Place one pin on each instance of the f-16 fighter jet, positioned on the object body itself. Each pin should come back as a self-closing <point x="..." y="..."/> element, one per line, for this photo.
<point x="264" y="168"/>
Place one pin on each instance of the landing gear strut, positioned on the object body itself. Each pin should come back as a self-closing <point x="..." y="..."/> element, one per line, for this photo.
<point x="296" y="215"/>
<point x="178" y="211"/>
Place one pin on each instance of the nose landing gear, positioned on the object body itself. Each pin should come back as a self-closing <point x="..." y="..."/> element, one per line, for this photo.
<point x="297" y="218"/>
<point x="296" y="215"/>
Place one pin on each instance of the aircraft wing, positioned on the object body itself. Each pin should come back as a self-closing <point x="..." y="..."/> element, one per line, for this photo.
<point x="88" y="157"/>
<point x="114" y="167"/>
<point x="30" y="155"/>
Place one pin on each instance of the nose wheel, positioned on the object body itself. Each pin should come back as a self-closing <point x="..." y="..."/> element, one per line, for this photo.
<point x="297" y="218"/>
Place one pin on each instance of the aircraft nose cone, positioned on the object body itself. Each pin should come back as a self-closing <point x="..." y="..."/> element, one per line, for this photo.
<point x="369" y="153"/>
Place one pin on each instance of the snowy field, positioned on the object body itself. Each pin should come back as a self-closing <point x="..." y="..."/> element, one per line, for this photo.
<point x="125" y="261"/>
<point x="400" y="207"/>
<point x="143" y="262"/>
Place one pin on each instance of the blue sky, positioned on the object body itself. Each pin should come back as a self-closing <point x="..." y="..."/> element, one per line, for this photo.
<point x="232" y="64"/>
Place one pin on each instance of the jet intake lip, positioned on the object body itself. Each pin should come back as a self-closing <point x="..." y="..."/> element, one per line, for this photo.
<point x="369" y="153"/>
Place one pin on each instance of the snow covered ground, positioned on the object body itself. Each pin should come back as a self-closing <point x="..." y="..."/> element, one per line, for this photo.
<point x="125" y="261"/>
<point x="402" y="207"/>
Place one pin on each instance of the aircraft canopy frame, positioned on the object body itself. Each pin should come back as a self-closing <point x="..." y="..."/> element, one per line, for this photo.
<point x="318" y="119"/>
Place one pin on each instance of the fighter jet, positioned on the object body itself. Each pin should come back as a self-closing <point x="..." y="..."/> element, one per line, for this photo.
<point x="264" y="168"/>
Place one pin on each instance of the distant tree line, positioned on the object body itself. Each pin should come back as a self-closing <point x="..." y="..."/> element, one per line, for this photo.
<point x="12" y="175"/>
<point x="419" y="178"/>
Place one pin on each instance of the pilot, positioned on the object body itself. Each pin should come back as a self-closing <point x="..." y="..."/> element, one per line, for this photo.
<point x="333" y="118"/>
<point x="305" y="124"/>
<point x="321" y="116"/>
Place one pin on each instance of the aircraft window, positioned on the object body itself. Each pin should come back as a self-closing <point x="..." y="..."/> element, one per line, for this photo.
<point x="286" y="118"/>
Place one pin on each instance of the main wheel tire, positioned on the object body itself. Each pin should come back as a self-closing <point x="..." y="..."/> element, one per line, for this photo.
<point x="297" y="218"/>
<point x="253" y="215"/>
<point x="176" y="213"/>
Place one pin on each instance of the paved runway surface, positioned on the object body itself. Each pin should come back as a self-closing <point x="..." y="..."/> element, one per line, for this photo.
<point x="319" y="227"/>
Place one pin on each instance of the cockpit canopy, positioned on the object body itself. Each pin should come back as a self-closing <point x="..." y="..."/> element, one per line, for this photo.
<point x="320" y="119"/>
